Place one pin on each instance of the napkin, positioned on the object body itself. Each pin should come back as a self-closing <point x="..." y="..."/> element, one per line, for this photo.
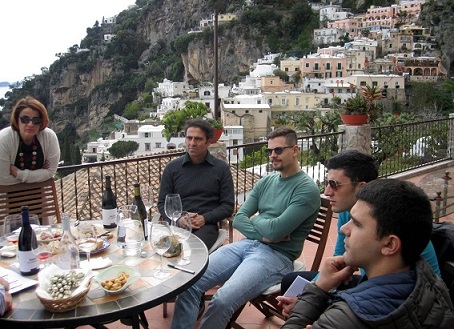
<point x="97" y="263"/>
<point x="45" y="275"/>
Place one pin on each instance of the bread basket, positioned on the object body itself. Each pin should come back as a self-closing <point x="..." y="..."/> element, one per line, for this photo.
<point x="64" y="304"/>
<point x="67" y="303"/>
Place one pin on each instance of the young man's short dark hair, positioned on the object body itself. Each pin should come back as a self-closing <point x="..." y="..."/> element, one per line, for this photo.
<point x="357" y="166"/>
<point x="403" y="209"/>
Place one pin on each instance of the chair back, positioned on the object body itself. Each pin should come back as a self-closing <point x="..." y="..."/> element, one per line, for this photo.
<point x="267" y="302"/>
<point x="41" y="199"/>
<point x="320" y="231"/>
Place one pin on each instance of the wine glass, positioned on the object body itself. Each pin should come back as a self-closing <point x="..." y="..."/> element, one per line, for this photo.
<point x="160" y="242"/>
<point x="12" y="226"/>
<point x="183" y="231"/>
<point x="173" y="207"/>
<point x="45" y="244"/>
<point x="87" y="239"/>
<point x="147" y="198"/>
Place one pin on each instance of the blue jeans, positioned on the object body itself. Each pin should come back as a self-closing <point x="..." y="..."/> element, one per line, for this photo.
<point x="244" y="269"/>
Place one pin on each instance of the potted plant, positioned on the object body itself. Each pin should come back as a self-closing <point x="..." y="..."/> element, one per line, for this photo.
<point x="359" y="109"/>
<point x="218" y="128"/>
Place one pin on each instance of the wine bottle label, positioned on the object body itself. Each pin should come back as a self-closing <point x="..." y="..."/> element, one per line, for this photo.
<point x="27" y="261"/>
<point x="109" y="216"/>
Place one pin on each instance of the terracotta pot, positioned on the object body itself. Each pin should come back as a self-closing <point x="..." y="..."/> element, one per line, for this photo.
<point x="217" y="134"/>
<point x="354" y="119"/>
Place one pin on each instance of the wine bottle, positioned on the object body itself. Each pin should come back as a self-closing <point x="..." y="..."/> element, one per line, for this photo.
<point x="68" y="250"/>
<point x="28" y="263"/>
<point x="141" y="213"/>
<point x="109" y="206"/>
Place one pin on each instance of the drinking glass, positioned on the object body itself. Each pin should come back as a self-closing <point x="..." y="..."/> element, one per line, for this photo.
<point x="87" y="239"/>
<point x="160" y="242"/>
<point x="183" y="231"/>
<point x="173" y="207"/>
<point x="147" y="198"/>
<point x="45" y="244"/>
<point x="13" y="224"/>
<point x="130" y="235"/>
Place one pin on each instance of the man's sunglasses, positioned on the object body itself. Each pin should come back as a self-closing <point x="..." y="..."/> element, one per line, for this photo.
<point x="335" y="184"/>
<point x="277" y="150"/>
<point x="26" y="120"/>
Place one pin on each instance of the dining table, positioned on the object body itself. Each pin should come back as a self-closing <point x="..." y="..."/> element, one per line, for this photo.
<point x="99" y="307"/>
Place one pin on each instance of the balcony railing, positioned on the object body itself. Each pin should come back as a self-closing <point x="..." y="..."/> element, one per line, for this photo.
<point x="398" y="148"/>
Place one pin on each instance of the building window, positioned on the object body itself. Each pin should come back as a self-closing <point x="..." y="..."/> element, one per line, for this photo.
<point x="283" y="101"/>
<point x="339" y="66"/>
<point x="158" y="145"/>
<point x="147" y="147"/>
<point x="247" y="111"/>
<point x="374" y="83"/>
<point x="316" y="66"/>
<point x="260" y="111"/>
<point x="297" y="101"/>
<point x="286" y="69"/>
<point x="147" y="135"/>
<point x="307" y="64"/>
<point x="328" y="66"/>
<point x="362" y="83"/>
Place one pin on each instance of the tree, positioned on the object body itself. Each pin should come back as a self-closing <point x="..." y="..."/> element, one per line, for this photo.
<point x="174" y="121"/>
<point x="122" y="149"/>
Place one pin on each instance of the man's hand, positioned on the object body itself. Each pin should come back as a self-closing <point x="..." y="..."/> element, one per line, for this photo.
<point x="267" y="241"/>
<point x="46" y="165"/>
<point x="334" y="271"/>
<point x="197" y="221"/>
<point x="8" y="297"/>
<point x="287" y="304"/>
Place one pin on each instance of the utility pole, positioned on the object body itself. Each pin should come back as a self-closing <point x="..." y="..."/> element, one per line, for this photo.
<point x="217" y="113"/>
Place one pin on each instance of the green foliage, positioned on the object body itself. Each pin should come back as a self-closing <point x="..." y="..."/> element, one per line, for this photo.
<point x="174" y="121"/>
<point x="122" y="149"/>
<point x="132" y="110"/>
<point x="427" y="98"/>
<point x="181" y="43"/>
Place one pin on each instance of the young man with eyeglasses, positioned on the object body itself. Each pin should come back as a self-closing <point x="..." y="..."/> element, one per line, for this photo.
<point x="390" y="225"/>
<point x="275" y="219"/>
<point x="29" y="150"/>
<point x="348" y="172"/>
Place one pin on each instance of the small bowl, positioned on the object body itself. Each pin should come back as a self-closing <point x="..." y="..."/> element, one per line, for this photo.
<point x="112" y="273"/>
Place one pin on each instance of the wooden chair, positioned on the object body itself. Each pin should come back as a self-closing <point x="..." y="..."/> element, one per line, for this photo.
<point x="267" y="302"/>
<point x="41" y="199"/>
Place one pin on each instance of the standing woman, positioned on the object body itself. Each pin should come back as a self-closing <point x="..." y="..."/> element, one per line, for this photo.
<point x="29" y="151"/>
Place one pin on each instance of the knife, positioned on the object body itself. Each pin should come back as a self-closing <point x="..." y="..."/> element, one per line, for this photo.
<point x="180" y="268"/>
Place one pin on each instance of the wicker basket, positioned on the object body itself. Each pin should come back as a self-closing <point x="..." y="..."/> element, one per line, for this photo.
<point x="65" y="304"/>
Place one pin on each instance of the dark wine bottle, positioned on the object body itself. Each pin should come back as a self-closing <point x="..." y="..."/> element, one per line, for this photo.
<point x="141" y="213"/>
<point x="109" y="206"/>
<point x="28" y="263"/>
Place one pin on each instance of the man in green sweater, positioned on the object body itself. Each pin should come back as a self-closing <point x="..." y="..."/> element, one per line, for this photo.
<point x="275" y="219"/>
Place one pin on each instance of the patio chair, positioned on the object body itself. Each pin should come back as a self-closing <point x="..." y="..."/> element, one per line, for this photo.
<point x="41" y="199"/>
<point x="267" y="302"/>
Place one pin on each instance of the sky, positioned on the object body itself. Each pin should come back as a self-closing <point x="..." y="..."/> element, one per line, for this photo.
<point x="33" y="31"/>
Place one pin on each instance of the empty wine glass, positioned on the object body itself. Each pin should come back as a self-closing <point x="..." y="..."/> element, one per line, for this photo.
<point x="87" y="239"/>
<point x="173" y="207"/>
<point x="160" y="242"/>
<point x="183" y="232"/>
<point x="45" y="244"/>
<point x="147" y="198"/>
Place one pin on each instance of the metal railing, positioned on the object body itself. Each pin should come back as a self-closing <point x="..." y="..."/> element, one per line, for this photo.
<point x="398" y="148"/>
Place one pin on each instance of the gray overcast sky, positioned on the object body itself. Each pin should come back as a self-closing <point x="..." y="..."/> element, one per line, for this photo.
<point x="33" y="31"/>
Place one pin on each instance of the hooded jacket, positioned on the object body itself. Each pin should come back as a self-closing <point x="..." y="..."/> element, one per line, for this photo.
<point x="414" y="299"/>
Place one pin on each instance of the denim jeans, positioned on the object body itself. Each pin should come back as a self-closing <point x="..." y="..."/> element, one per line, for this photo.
<point x="245" y="269"/>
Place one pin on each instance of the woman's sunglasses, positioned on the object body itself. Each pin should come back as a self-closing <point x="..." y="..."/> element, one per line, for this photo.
<point x="26" y="120"/>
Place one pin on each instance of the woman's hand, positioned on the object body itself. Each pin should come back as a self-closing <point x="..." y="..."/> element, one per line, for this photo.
<point x="13" y="170"/>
